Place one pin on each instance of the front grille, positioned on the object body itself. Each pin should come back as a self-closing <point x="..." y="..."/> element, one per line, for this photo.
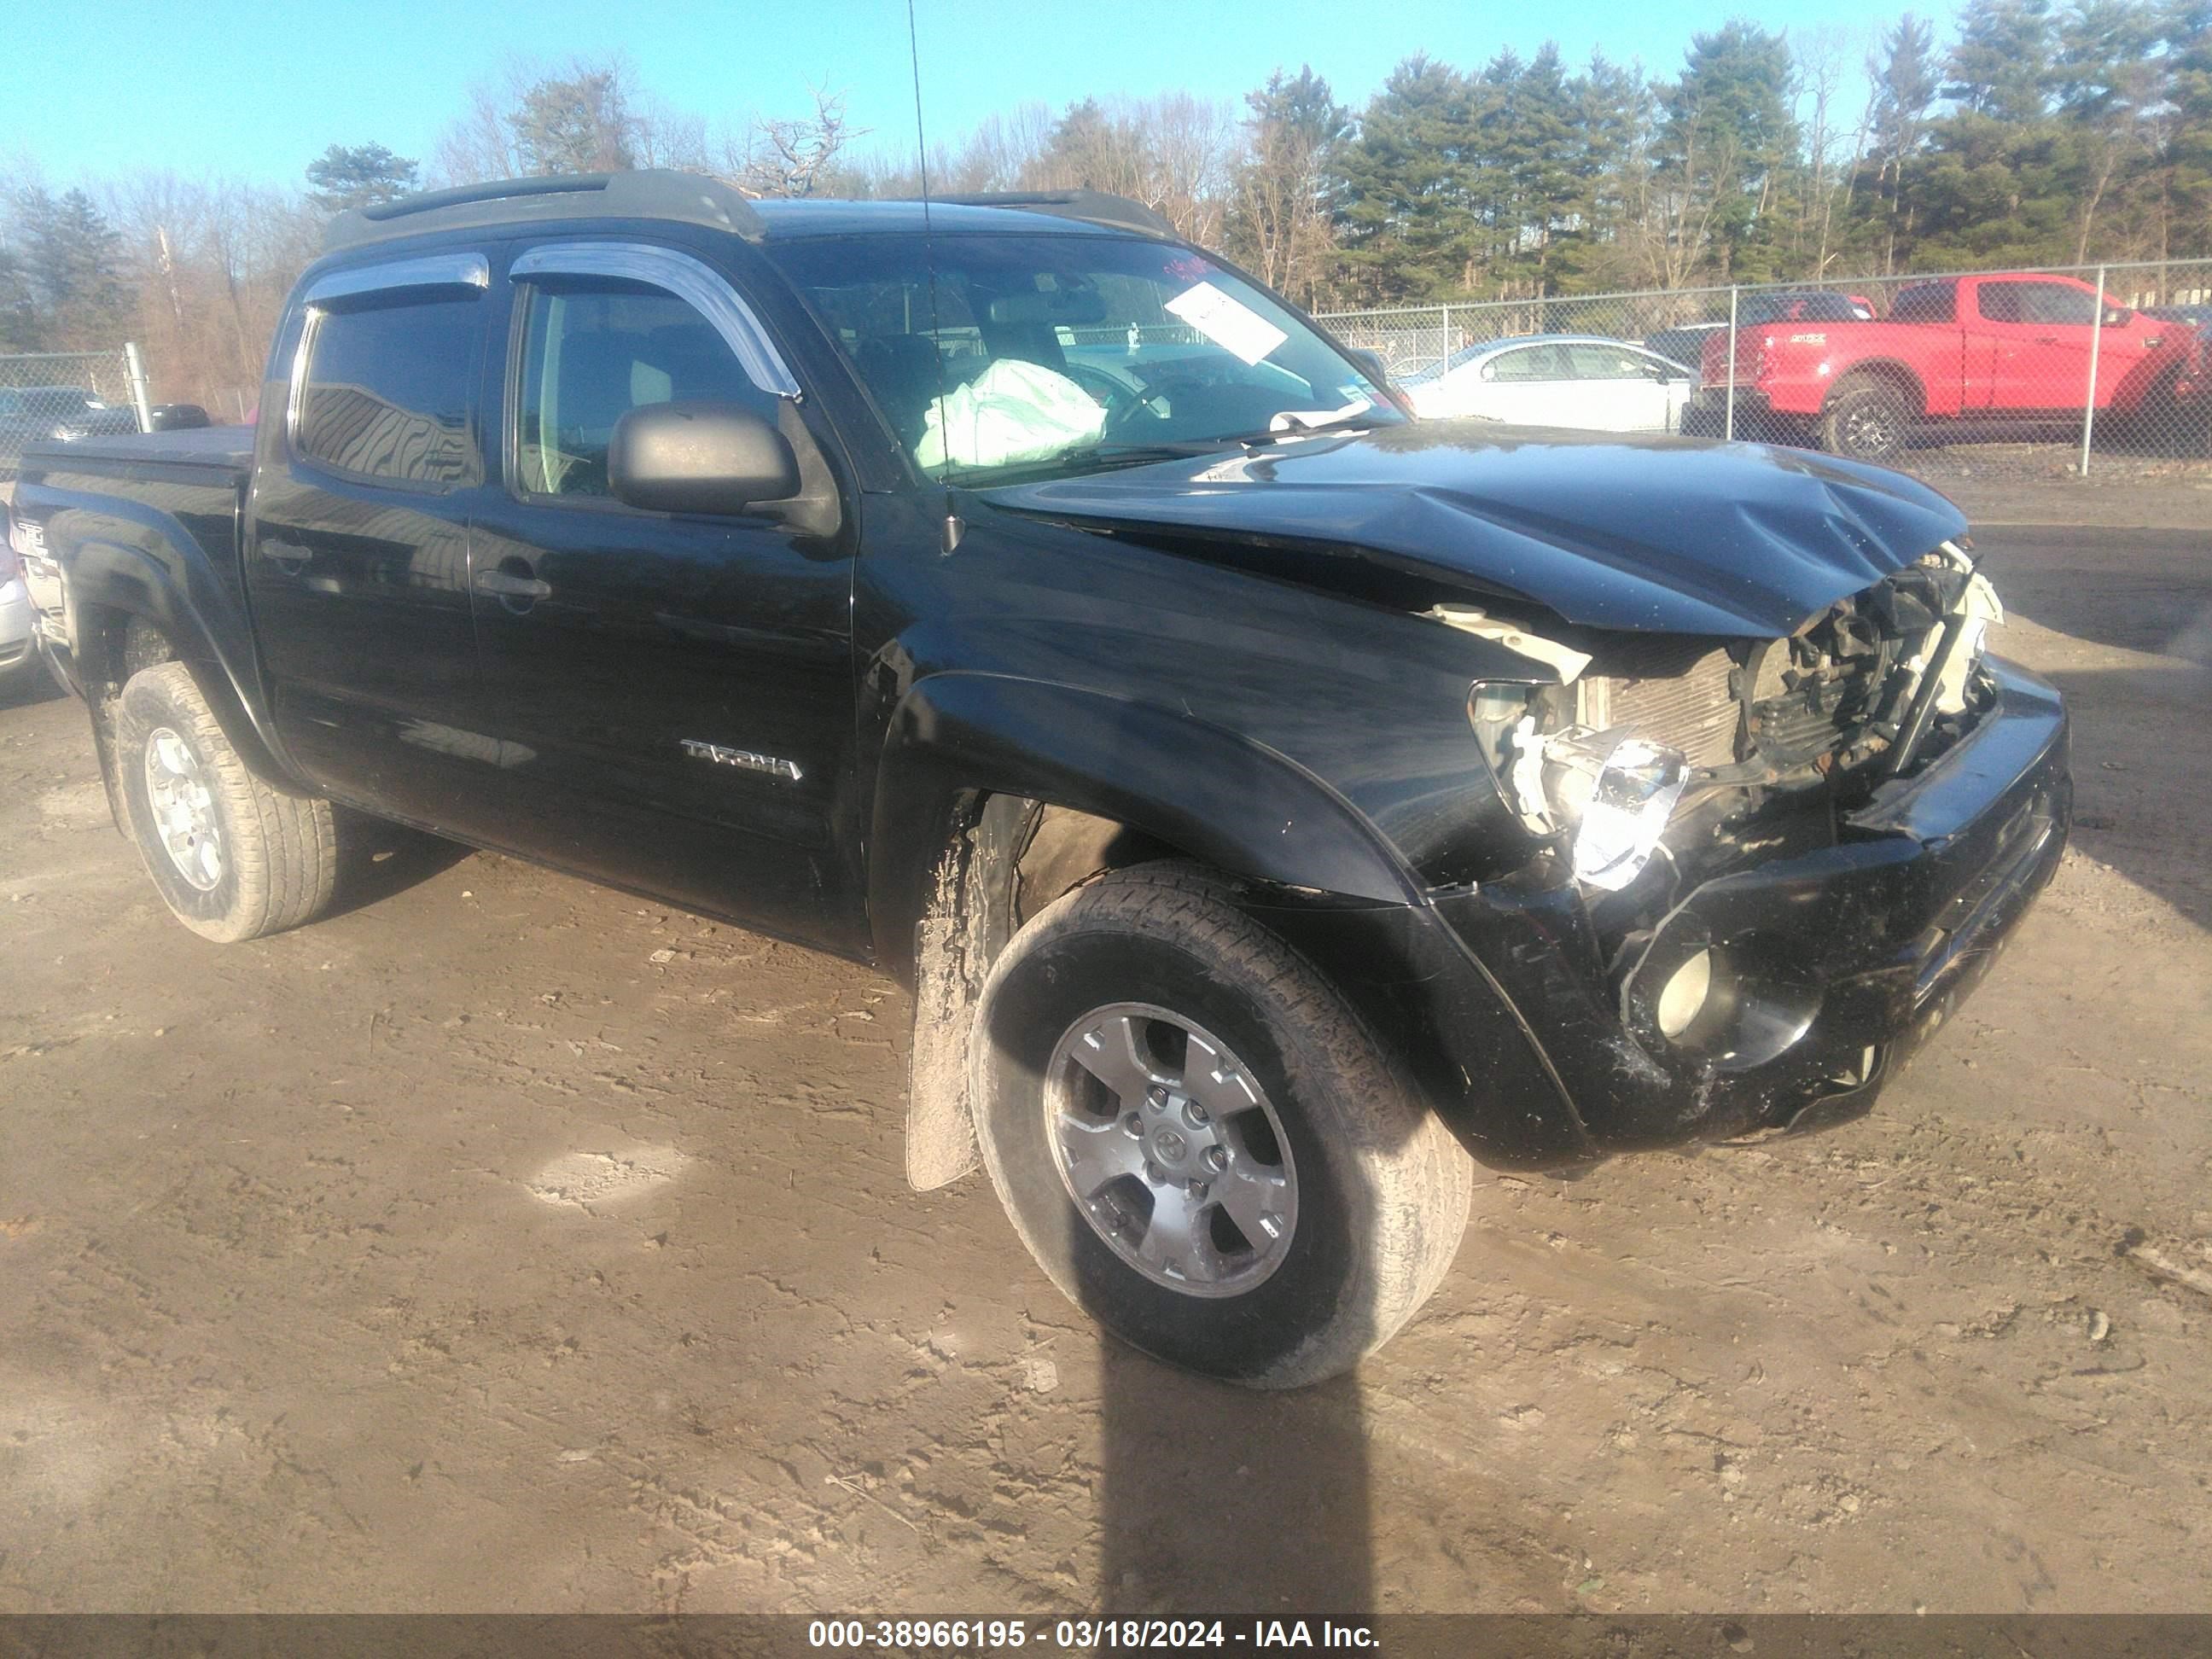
<point x="1669" y="692"/>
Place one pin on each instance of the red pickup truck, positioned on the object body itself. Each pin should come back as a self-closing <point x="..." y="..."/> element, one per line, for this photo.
<point x="1992" y="353"/>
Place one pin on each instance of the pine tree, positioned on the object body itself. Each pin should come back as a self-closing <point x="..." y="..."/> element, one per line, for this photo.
<point x="576" y="123"/>
<point x="19" y="310"/>
<point x="2000" y="66"/>
<point x="1406" y="224"/>
<point x="1726" y="146"/>
<point x="358" y="175"/>
<point x="72" y="262"/>
<point x="1905" y="85"/>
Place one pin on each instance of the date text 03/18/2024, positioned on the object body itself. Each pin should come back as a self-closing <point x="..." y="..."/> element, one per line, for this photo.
<point x="1085" y="1635"/>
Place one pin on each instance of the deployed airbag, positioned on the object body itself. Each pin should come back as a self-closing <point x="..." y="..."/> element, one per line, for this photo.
<point x="1012" y="411"/>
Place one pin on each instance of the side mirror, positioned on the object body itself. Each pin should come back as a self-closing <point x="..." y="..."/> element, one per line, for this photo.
<point x="2118" y="316"/>
<point x="699" y="457"/>
<point x="178" y="417"/>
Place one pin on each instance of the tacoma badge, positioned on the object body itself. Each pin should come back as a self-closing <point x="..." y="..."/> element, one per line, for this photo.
<point x="744" y="758"/>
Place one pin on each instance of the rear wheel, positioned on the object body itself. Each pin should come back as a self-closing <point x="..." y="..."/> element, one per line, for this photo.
<point x="1866" y="421"/>
<point x="234" y="857"/>
<point x="1199" y="1141"/>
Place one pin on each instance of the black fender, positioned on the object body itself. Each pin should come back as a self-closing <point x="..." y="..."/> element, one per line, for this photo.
<point x="969" y="756"/>
<point x="1200" y="788"/>
<point x="121" y="556"/>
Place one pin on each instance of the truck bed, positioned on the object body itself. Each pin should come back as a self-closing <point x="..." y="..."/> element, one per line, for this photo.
<point x="195" y="479"/>
<point x="229" y="448"/>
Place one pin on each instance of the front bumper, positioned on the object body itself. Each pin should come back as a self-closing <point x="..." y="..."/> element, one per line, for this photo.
<point x="1539" y="1052"/>
<point x="1847" y="958"/>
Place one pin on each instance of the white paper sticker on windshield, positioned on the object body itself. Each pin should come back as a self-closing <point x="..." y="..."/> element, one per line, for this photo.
<point x="1227" y="321"/>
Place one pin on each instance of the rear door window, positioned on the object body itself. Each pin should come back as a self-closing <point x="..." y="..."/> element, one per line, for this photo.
<point x="383" y="395"/>
<point x="1597" y="362"/>
<point x="1930" y="302"/>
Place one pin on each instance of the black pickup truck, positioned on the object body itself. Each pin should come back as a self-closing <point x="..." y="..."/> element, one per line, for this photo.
<point x="1272" y="799"/>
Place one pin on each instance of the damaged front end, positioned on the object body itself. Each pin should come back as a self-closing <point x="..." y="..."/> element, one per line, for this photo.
<point x="1759" y="870"/>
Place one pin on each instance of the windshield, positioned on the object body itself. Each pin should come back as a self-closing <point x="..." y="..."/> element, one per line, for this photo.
<point x="1066" y="353"/>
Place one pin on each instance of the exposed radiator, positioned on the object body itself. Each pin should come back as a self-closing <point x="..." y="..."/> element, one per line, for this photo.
<point x="1666" y="694"/>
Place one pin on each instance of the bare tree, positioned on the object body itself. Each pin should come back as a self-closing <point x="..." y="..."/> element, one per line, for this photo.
<point x="582" y="116"/>
<point x="1277" y="211"/>
<point x="479" y="145"/>
<point x="799" y="153"/>
<point x="1171" y="152"/>
<point x="211" y="262"/>
<point x="1820" y="55"/>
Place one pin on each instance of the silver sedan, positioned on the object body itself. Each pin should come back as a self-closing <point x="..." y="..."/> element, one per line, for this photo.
<point x="1581" y="380"/>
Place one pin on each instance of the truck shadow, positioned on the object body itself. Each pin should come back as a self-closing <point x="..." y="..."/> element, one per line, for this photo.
<point x="2136" y="731"/>
<point x="1224" y="1499"/>
<point x="29" y="689"/>
<point x="2140" y="724"/>
<point x="377" y="860"/>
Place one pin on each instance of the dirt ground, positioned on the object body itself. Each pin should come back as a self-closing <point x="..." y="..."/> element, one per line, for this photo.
<point x="505" y="1243"/>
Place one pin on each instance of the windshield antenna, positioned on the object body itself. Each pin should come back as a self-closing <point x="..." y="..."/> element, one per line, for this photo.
<point x="953" y="527"/>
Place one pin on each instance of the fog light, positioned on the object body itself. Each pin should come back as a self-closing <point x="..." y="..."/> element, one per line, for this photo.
<point x="1627" y="811"/>
<point x="1682" y="998"/>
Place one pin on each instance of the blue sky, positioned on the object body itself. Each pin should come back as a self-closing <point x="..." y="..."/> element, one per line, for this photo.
<point x="258" y="90"/>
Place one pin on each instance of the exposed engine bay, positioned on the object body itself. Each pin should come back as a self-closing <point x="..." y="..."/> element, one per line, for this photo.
<point x="1700" y="751"/>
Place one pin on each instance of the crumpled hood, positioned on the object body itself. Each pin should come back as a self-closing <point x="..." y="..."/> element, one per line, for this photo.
<point x="1655" y="535"/>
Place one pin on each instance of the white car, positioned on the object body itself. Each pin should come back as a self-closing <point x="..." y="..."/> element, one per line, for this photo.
<point x="19" y="656"/>
<point x="1582" y="380"/>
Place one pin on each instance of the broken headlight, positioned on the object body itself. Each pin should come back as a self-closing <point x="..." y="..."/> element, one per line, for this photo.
<point x="1629" y="801"/>
<point x="1613" y="791"/>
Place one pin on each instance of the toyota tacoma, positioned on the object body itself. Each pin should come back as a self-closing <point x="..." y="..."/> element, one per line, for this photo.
<point x="1276" y="804"/>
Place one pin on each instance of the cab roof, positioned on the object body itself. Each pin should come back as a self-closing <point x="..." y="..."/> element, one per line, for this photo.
<point x="702" y="199"/>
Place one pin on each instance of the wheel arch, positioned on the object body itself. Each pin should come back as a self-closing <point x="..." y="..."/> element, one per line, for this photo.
<point x="1174" y="784"/>
<point x="1885" y="372"/>
<point x="995" y="796"/>
<point x="128" y="572"/>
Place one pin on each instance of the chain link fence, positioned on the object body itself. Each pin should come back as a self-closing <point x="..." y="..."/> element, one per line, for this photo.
<point x="2056" y="370"/>
<point x="50" y="395"/>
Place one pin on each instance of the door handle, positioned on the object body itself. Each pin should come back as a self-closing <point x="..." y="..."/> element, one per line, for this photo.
<point x="508" y="586"/>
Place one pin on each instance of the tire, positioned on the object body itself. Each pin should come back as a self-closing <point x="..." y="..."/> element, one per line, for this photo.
<point x="1368" y="1187"/>
<point x="248" y="858"/>
<point x="1866" y="421"/>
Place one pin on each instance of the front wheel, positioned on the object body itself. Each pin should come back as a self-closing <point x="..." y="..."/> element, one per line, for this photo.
<point x="233" y="856"/>
<point x="1200" y="1144"/>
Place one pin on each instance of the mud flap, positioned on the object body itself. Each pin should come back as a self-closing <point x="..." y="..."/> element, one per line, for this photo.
<point x="940" y="1132"/>
<point x="101" y="707"/>
<point x="969" y="920"/>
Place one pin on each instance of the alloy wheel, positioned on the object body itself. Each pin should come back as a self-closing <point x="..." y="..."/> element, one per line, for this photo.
<point x="183" y="809"/>
<point x="1171" y="1150"/>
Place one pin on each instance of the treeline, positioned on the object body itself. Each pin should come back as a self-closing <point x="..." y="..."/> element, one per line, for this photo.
<point x="2027" y="133"/>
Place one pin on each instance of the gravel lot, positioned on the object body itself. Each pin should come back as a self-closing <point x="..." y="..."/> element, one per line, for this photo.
<point x="505" y="1243"/>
